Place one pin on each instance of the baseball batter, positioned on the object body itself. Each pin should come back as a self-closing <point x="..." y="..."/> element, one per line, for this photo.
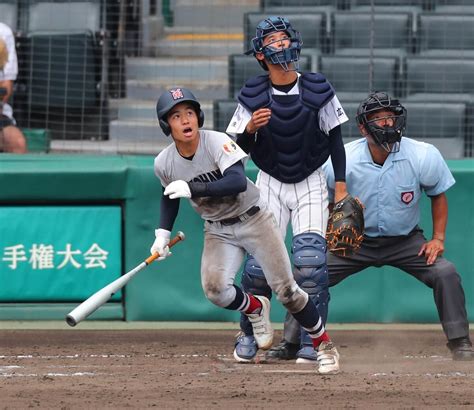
<point x="290" y="124"/>
<point x="206" y="167"/>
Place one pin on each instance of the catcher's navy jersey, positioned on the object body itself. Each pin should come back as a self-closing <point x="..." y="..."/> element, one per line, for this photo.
<point x="391" y="193"/>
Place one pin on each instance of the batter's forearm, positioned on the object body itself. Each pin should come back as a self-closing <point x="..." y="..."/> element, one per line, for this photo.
<point x="168" y="212"/>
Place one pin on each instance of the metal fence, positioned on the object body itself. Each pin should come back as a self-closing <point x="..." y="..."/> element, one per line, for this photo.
<point x="90" y="71"/>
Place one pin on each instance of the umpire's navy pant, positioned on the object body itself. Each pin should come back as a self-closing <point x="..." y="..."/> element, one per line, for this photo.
<point x="402" y="252"/>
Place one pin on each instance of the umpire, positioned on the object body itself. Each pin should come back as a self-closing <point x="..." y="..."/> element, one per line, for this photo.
<point x="388" y="173"/>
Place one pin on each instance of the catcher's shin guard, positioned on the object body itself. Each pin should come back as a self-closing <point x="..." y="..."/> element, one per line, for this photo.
<point x="311" y="273"/>
<point x="254" y="282"/>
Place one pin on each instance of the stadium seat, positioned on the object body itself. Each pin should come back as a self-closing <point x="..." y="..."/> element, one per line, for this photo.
<point x="349" y="129"/>
<point x="64" y="16"/>
<point x="223" y="110"/>
<point x="64" y="69"/>
<point x="441" y="124"/>
<point x="9" y="13"/>
<point x="350" y="75"/>
<point x="393" y="33"/>
<point x="242" y="67"/>
<point x="446" y="35"/>
<point x="403" y="3"/>
<point x="312" y="27"/>
<point x="440" y="79"/>
<point x="265" y="4"/>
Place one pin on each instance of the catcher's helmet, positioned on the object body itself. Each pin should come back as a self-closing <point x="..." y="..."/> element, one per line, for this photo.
<point x="169" y="99"/>
<point x="387" y="137"/>
<point x="274" y="55"/>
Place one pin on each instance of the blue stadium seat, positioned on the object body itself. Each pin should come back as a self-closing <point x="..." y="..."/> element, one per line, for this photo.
<point x="223" y="110"/>
<point x="446" y="35"/>
<point x="265" y="4"/>
<point x="64" y="53"/>
<point x="393" y="33"/>
<point x="9" y="13"/>
<point x="439" y="123"/>
<point x="440" y="79"/>
<point x="350" y="75"/>
<point x="242" y="67"/>
<point x="442" y="124"/>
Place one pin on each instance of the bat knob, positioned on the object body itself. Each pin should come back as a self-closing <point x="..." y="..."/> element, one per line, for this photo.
<point x="71" y="321"/>
<point x="181" y="235"/>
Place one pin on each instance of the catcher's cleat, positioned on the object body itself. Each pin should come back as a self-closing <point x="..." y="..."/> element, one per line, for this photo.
<point x="282" y="351"/>
<point x="328" y="358"/>
<point x="261" y="325"/>
<point x="245" y="348"/>
<point x="306" y="355"/>
<point x="461" y="349"/>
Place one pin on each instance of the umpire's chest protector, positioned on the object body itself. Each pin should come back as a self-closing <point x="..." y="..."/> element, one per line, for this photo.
<point x="291" y="146"/>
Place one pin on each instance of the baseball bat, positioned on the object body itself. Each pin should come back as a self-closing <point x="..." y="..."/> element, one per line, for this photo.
<point x="95" y="301"/>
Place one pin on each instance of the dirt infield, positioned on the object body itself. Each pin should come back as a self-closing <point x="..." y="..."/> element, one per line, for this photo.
<point x="185" y="369"/>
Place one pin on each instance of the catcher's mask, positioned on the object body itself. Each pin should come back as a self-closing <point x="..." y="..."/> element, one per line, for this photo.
<point x="388" y="137"/>
<point x="273" y="55"/>
<point x="173" y="97"/>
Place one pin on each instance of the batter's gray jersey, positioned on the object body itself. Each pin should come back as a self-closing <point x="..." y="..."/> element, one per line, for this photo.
<point x="215" y="153"/>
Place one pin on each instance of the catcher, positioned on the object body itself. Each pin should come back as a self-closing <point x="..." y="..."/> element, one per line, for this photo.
<point x="389" y="172"/>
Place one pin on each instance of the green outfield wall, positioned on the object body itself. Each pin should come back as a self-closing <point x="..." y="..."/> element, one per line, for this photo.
<point x="107" y="207"/>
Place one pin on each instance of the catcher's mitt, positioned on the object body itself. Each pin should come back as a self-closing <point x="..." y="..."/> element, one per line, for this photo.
<point x="345" y="226"/>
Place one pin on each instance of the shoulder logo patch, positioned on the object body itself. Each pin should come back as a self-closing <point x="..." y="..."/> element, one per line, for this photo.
<point x="229" y="147"/>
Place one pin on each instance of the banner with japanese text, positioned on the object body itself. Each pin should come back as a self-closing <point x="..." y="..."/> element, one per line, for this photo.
<point x="58" y="253"/>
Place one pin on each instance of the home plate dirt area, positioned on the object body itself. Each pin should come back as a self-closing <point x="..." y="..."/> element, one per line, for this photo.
<point x="187" y="369"/>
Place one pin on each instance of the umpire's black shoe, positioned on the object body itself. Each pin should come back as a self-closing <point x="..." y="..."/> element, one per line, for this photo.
<point x="283" y="351"/>
<point x="461" y="348"/>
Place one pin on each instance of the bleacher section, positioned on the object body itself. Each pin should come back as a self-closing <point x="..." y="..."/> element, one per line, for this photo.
<point x="421" y="51"/>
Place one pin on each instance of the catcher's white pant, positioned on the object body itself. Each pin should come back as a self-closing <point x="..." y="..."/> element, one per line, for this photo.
<point x="305" y="202"/>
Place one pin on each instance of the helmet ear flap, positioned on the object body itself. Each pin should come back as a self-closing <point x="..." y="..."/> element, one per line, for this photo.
<point x="200" y="118"/>
<point x="165" y="127"/>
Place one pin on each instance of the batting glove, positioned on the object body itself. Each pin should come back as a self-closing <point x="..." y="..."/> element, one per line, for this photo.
<point x="161" y="244"/>
<point x="178" y="189"/>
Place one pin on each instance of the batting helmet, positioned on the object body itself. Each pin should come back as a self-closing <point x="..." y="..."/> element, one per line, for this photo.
<point x="274" y="55"/>
<point x="388" y="137"/>
<point x="169" y="99"/>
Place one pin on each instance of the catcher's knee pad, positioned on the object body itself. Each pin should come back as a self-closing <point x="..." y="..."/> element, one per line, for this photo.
<point x="310" y="269"/>
<point x="253" y="278"/>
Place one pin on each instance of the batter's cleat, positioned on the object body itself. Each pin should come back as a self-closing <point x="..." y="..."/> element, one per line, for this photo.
<point x="328" y="358"/>
<point x="245" y="348"/>
<point x="306" y="355"/>
<point x="461" y="349"/>
<point x="261" y="325"/>
<point x="282" y="351"/>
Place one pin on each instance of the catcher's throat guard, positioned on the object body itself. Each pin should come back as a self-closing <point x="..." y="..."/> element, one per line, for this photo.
<point x="345" y="231"/>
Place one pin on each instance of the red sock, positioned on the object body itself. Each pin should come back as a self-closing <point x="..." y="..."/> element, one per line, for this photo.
<point x="323" y="338"/>
<point x="254" y="305"/>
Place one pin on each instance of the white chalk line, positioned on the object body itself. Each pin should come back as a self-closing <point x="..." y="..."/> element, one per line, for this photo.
<point x="108" y="356"/>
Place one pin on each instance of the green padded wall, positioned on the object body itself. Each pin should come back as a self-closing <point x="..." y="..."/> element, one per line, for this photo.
<point x="171" y="290"/>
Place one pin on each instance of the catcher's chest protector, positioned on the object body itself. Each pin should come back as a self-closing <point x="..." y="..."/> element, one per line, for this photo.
<point x="291" y="146"/>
